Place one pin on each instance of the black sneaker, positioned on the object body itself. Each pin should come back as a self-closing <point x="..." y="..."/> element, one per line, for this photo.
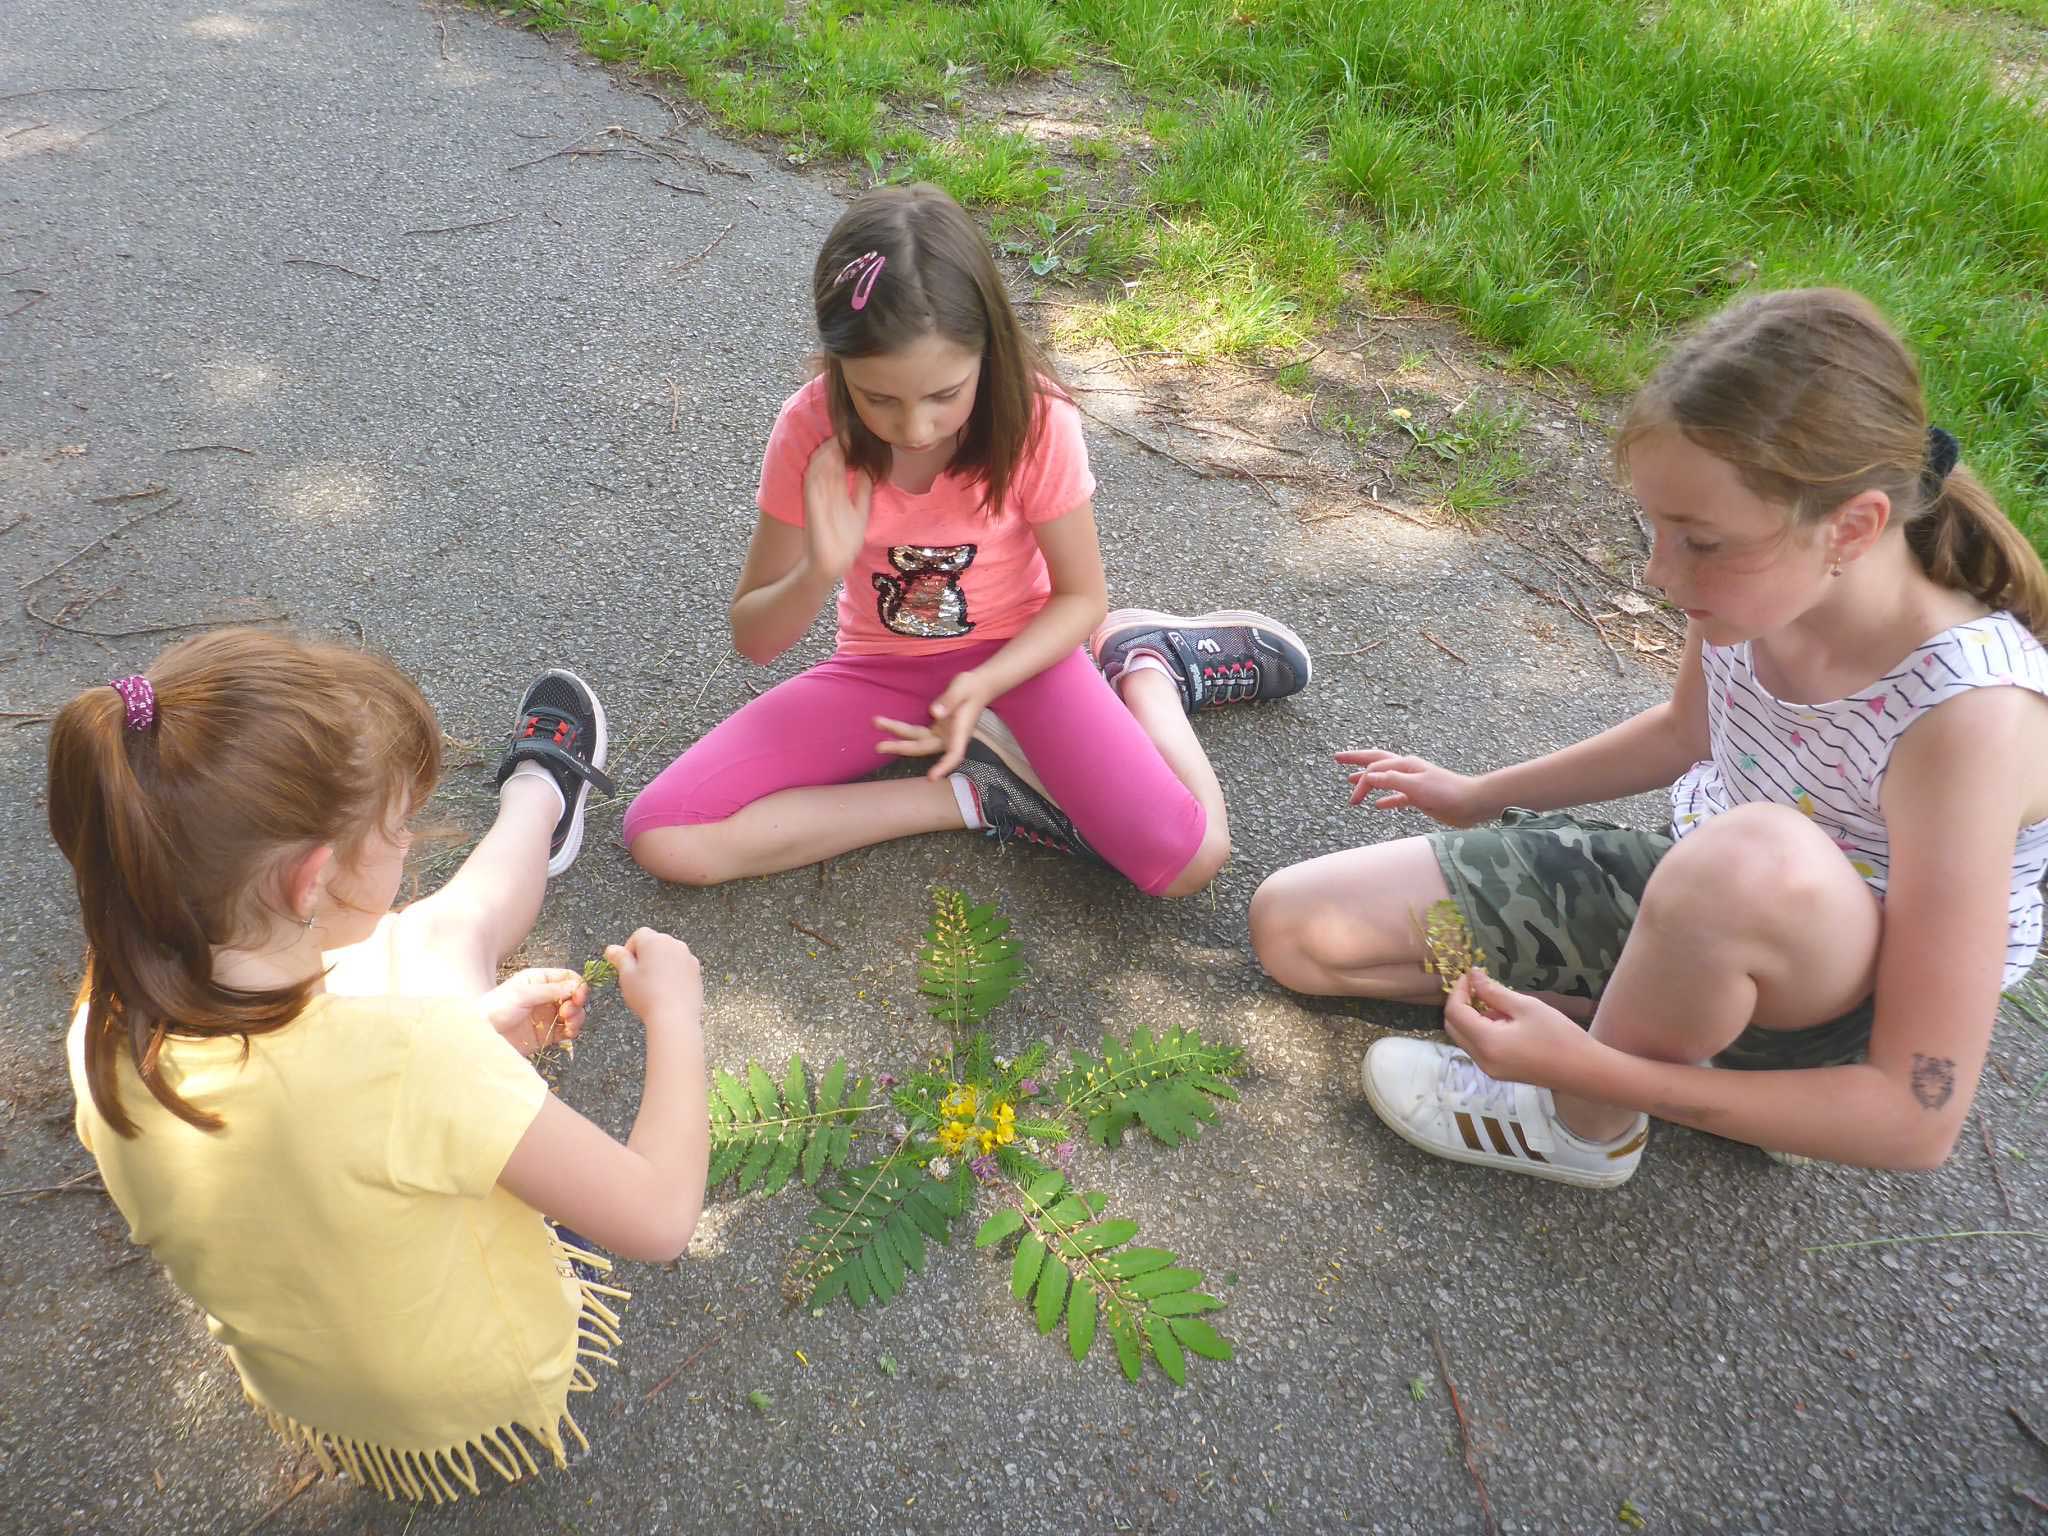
<point x="1014" y="804"/>
<point x="561" y="726"/>
<point x="1231" y="656"/>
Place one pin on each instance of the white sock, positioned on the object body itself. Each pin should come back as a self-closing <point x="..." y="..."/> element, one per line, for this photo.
<point x="1140" y="661"/>
<point x="969" y="803"/>
<point x="529" y="769"/>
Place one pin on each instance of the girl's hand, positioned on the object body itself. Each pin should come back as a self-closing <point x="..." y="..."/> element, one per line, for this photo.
<point x="835" y="525"/>
<point x="659" y="977"/>
<point x="1523" y="1041"/>
<point x="537" y="1007"/>
<point x="954" y="714"/>
<point x="1455" y="799"/>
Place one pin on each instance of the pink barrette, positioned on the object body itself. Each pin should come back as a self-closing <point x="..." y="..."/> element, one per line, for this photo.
<point x="140" y="697"/>
<point x="862" y="271"/>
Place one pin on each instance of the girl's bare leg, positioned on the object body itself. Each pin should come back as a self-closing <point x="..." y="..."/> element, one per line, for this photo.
<point x="1154" y="700"/>
<point x="1754" y="918"/>
<point x="450" y="943"/>
<point x="795" y="827"/>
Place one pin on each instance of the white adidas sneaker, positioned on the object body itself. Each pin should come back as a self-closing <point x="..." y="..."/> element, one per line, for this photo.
<point x="1436" y="1097"/>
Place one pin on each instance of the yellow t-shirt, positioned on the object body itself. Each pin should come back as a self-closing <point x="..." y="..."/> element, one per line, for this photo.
<point x="386" y="1303"/>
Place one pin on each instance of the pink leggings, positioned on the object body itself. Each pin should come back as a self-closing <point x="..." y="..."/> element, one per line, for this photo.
<point x="818" y="728"/>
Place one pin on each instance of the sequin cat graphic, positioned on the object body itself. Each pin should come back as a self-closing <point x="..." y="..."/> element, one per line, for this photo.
<point x="927" y="603"/>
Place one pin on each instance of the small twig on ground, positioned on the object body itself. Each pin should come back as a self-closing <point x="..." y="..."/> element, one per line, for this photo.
<point x="40" y="295"/>
<point x="148" y="493"/>
<point x="1443" y="1364"/>
<point x="1997" y="1174"/>
<point x="456" y="229"/>
<point x="813" y="933"/>
<point x="684" y="266"/>
<point x="677" y="186"/>
<point x="27" y="714"/>
<point x="1921" y="1237"/>
<point x="441" y="27"/>
<point x="29" y="608"/>
<point x="117" y="122"/>
<point x="281" y="1505"/>
<point x="1227" y="436"/>
<point x="111" y="533"/>
<point x="1239" y="472"/>
<point x="1432" y="639"/>
<point x="214" y="448"/>
<point x="332" y="266"/>
<point x="1572" y="608"/>
<point x="22" y="517"/>
<point x="74" y="1185"/>
<point x="675" y="403"/>
<point x="69" y="90"/>
<point x="1146" y="443"/>
<point x="134" y="1258"/>
<point x="723" y="662"/>
<point x="2027" y="1429"/>
<point x="663" y="1385"/>
<point x="16" y="133"/>
<point x="2034" y="1499"/>
<point x="1362" y="650"/>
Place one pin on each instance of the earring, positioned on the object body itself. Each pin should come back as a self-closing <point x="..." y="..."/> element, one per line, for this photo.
<point x="1836" y="568"/>
<point x="308" y="923"/>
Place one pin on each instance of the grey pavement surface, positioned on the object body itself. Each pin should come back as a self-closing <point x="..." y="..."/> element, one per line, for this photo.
<point x="461" y="448"/>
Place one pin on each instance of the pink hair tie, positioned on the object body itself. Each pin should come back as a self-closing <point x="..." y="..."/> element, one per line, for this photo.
<point x="140" y="697"/>
<point x="862" y="272"/>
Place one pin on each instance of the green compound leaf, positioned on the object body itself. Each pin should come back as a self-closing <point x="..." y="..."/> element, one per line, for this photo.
<point x="1071" y="1261"/>
<point x="867" y="1235"/>
<point x="1024" y="1268"/>
<point x="968" y="968"/>
<point x="1081" y="1319"/>
<point x="1052" y="1294"/>
<point x="1202" y="1339"/>
<point x="1163" y="1084"/>
<point x="766" y="1135"/>
<point x="999" y="1226"/>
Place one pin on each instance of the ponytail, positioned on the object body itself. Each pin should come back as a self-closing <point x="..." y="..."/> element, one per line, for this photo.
<point x="176" y="815"/>
<point x="1963" y="540"/>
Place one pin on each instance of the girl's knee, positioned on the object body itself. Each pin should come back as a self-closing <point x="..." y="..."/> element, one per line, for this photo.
<point x="681" y="855"/>
<point x="1752" y="864"/>
<point x="1210" y="856"/>
<point x="1283" y="934"/>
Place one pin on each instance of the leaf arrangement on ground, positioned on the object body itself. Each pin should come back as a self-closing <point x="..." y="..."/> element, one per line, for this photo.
<point x="898" y="1165"/>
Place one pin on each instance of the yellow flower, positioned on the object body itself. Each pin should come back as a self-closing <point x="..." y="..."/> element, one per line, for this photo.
<point x="988" y="1141"/>
<point x="952" y="1136"/>
<point x="959" y="1104"/>
<point x="1004" y="1114"/>
<point x="1005" y="1134"/>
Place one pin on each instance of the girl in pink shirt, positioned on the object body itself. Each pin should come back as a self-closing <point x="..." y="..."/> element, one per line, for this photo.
<point x="934" y="472"/>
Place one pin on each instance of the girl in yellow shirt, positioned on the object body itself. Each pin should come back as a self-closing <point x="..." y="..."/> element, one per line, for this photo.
<point x="317" y="1112"/>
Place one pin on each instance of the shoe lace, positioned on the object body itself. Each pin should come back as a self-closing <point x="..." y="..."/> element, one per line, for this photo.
<point x="1461" y="1078"/>
<point x="1230" y="682"/>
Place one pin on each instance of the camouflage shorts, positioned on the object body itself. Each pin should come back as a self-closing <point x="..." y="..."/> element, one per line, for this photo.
<point x="1550" y="899"/>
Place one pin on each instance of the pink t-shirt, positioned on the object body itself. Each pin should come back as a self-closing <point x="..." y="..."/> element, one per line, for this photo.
<point x="936" y="572"/>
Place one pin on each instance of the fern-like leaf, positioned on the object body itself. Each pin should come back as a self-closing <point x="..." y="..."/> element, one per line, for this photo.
<point x="765" y="1135"/>
<point x="1164" y="1084"/>
<point x="868" y="1233"/>
<point x="967" y="967"/>
<point x="1071" y="1261"/>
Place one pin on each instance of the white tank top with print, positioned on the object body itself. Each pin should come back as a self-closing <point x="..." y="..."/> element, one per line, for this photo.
<point x="1829" y="760"/>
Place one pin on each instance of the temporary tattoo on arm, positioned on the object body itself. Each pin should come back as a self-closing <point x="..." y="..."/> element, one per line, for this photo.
<point x="1934" y="1080"/>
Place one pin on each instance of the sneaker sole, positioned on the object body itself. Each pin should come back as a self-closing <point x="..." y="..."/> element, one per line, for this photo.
<point x="1122" y="619"/>
<point x="997" y="737"/>
<point x="1556" y="1173"/>
<point x="573" y="843"/>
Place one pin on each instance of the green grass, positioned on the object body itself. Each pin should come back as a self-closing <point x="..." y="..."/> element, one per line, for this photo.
<point x="1575" y="178"/>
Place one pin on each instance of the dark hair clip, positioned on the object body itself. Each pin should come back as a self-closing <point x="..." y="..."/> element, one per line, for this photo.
<point x="1942" y="453"/>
